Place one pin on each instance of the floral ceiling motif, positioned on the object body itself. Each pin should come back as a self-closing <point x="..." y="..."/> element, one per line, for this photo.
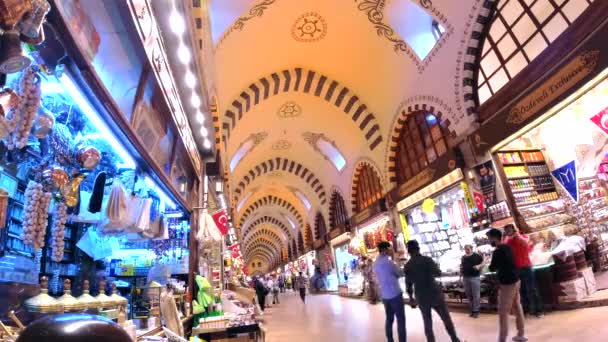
<point x="255" y="12"/>
<point x="281" y="145"/>
<point x="309" y="27"/>
<point x="289" y="110"/>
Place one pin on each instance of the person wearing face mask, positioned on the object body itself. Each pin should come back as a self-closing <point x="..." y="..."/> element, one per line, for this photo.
<point x="503" y="264"/>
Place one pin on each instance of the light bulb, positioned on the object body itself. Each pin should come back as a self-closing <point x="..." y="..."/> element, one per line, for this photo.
<point x="195" y="100"/>
<point x="183" y="53"/>
<point x="207" y="144"/>
<point x="200" y="118"/>
<point x="190" y="80"/>
<point x="204" y="131"/>
<point x="178" y="26"/>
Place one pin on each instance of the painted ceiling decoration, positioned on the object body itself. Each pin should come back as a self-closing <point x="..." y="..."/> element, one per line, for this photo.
<point x="247" y="146"/>
<point x="286" y="165"/>
<point x="281" y="145"/>
<point x="374" y="9"/>
<point x="255" y="12"/>
<point x="270" y="201"/>
<point x="266" y="220"/>
<point x="327" y="148"/>
<point x="309" y="27"/>
<point x="289" y="110"/>
<point x="304" y="81"/>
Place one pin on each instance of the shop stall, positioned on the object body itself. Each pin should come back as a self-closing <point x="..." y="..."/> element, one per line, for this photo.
<point x="98" y="180"/>
<point x="547" y="152"/>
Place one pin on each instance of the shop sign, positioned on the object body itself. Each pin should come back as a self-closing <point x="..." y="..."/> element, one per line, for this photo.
<point x="366" y="214"/>
<point x="556" y="85"/>
<point x="404" y="227"/>
<point x="334" y="233"/>
<point x="318" y="244"/>
<point x="566" y="176"/>
<point x="601" y="120"/>
<point x="418" y="181"/>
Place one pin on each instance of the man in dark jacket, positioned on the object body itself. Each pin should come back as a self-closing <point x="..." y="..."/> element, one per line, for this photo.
<point x="420" y="273"/>
<point x="261" y="292"/>
<point x="503" y="264"/>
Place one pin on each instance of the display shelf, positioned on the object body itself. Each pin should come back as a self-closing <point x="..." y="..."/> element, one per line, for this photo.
<point x="547" y="188"/>
<point x="524" y="163"/>
<point x="527" y="205"/>
<point x="539" y="216"/>
<point x="529" y="176"/>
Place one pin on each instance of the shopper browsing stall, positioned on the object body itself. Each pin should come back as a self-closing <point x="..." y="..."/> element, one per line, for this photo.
<point x="520" y="245"/>
<point x="503" y="264"/>
<point x="470" y="269"/>
<point x="388" y="275"/>
<point x="420" y="273"/>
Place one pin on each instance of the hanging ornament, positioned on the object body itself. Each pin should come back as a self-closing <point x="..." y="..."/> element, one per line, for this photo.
<point x="32" y="21"/>
<point x="54" y="178"/>
<point x="71" y="191"/>
<point x="43" y="125"/>
<point x="88" y="157"/>
<point x="12" y="58"/>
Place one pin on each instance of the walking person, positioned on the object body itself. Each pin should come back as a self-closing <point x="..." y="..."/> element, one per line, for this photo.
<point x="521" y="247"/>
<point x="503" y="264"/>
<point x="388" y="275"/>
<point x="261" y="292"/>
<point x="420" y="273"/>
<point x="275" y="292"/>
<point x="282" y="283"/>
<point x="293" y="281"/>
<point x="470" y="268"/>
<point x="301" y="283"/>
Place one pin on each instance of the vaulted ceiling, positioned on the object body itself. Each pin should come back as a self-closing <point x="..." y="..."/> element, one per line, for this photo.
<point x="307" y="90"/>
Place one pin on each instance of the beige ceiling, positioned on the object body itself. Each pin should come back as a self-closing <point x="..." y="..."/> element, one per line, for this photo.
<point x="350" y="77"/>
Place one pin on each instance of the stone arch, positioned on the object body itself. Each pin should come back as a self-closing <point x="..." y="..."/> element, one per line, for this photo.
<point x="268" y="220"/>
<point x="282" y="164"/>
<point x="308" y="236"/>
<point x="265" y="232"/>
<point x="304" y="81"/>
<point x="268" y="201"/>
<point x="261" y="238"/>
<point x="264" y="244"/>
<point x="301" y="248"/>
<point x="401" y="117"/>
<point x="260" y="252"/>
<point x="359" y="168"/>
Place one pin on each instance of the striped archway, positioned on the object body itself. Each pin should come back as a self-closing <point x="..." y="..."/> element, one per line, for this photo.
<point x="268" y="201"/>
<point x="304" y="81"/>
<point x="267" y="220"/>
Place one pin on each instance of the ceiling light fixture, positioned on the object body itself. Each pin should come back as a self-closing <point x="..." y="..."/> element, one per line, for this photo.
<point x="183" y="53"/>
<point x="195" y="100"/>
<point x="178" y="26"/>
<point x="200" y="118"/>
<point x="207" y="144"/>
<point x="204" y="132"/>
<point x="190" y="80"/>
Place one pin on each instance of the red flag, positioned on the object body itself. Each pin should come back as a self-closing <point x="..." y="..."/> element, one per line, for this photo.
<point x="601" y="120"/>
<point x="236" y="250"/>
<point x="478" y="201"/>
<point x="389" y="235"/>
<point x="221" y="221"/>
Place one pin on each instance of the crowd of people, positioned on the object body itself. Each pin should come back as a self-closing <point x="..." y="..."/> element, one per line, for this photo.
<point x="510" y="261"/>
<point x="275" y="285"/>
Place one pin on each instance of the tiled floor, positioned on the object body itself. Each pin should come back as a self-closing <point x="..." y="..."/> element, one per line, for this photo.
<point x="330" y="318"/>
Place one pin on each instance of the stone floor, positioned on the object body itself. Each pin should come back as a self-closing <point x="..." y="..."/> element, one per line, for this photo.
<point x="330" y="318"/>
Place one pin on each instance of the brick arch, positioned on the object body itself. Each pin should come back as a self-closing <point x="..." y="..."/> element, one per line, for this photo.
<point x="472" y="55"/>
<point x="259" y="251"/>
<point x="265" y="232"/>
<point x="268" y="220"/>
<point x="268" y="201"/>
<point x="263" y="239"/>
<point x="304" y="81"/>
<point x="264" y="244"/>
<point x="393" y="146"/>
<point x="308" y="236"/>
<point x="286" y="165"/>
<point x="267" y="250"/>
<point x="338" y="212"/>
<point x="359" y="168"/>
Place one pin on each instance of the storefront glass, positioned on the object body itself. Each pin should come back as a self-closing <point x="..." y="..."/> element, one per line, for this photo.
<point x="346" y="263"/>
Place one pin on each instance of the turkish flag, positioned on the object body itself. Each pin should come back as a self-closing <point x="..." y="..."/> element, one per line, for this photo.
<point x="236" y="250"/>
<point x="478" y="201"/>
<point x="601" y="120"/>
<point x="221" y="221"/>
<point x="389" y="235"/>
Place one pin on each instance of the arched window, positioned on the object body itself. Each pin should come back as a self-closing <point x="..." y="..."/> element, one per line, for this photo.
<point x="367" y="188"/>
<point x="320" y="227"/>
<point x="421" y="141"/>
<point x="337" y="211"/>
<point x="519" y="32"/>
<point x="300" y="243"/>
<point x="289" y="251"/>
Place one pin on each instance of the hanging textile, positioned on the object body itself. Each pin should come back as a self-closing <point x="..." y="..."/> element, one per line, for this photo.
<point x="207" y="228"/>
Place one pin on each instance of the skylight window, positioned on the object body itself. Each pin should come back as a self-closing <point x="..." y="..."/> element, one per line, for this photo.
<point x="240" y="153"/>
<point x="331" y="152"/>
<point x="242" y="202"/>
<point x="303" y="199"/>
<point x="418" y="28"/>
<point x="293" y="225"/>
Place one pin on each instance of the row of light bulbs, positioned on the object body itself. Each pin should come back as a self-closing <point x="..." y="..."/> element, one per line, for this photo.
<point x="178" y="26"/>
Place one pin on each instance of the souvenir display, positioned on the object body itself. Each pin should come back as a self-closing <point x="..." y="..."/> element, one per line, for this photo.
<point x="60" y="217"/>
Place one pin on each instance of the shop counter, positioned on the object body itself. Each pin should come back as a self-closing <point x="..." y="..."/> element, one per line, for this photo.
<point x="252" y="332"/>
<point x="158" y="331"/>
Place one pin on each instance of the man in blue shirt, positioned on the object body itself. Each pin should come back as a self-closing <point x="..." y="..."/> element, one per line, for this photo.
<point x="388" y="275"/>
